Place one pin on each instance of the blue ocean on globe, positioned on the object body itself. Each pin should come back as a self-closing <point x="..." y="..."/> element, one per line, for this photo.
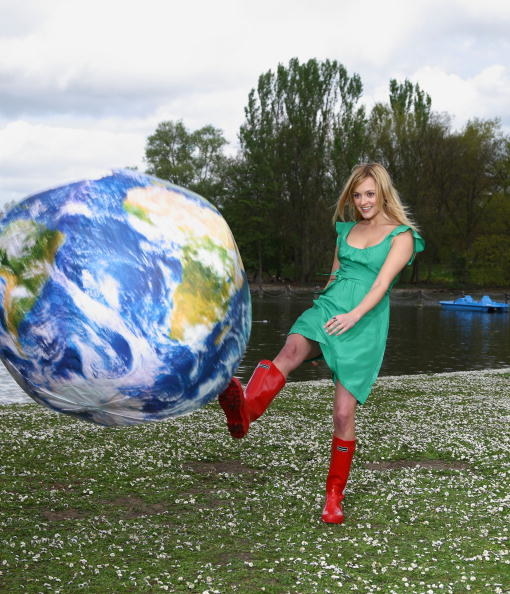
<point x="122" y="299"/>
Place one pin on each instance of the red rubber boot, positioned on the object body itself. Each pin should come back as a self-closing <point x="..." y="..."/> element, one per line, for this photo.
<point x="339" y="468"/>
<point x="241" y="407"/>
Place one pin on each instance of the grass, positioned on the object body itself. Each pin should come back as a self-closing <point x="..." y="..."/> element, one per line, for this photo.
<point x="180" y="507"/>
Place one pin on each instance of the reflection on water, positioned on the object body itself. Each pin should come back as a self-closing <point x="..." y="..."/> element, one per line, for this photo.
<point x="421" y="340"/>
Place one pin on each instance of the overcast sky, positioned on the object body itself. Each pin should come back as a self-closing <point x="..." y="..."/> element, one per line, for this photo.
<point x="84" y="82"/>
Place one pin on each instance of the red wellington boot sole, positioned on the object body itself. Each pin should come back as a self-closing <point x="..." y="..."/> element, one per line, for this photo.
<point x="233" y="404"/>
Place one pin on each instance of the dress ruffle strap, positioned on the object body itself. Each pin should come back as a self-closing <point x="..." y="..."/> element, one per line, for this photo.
<point x="419" y="242"/>
<point x="343" y="229"/>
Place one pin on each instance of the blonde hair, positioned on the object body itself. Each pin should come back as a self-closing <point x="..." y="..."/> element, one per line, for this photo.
<point x="388" y="199"/>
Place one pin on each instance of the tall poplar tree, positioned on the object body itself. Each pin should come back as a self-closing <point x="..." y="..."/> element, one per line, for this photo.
<point x="303" y="129"/>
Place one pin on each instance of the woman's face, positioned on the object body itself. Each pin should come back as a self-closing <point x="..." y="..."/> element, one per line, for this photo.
<point x="365" y="199"/>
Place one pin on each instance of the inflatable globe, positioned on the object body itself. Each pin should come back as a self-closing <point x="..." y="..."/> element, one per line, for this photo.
<point x="122" y="299"/>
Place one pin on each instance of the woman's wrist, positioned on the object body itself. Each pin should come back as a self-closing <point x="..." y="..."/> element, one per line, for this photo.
<point x="357" y="314"/>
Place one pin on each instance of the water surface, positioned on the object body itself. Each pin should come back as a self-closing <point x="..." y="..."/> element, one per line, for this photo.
<point x="422" y="339"/>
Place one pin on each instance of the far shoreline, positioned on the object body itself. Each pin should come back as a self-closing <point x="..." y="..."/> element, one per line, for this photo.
<point x="420" y="292"/>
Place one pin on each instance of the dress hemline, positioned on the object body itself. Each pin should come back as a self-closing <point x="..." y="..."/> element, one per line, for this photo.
<point x="334" y="376"/>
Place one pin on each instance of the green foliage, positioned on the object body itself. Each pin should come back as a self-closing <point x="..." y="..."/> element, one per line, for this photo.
<point x="304" y="130"/>
<point x="490" y="261"/>
<point x="302" y="127"/>
<point x="447" y="178"/>
<point x="194" y="160"/>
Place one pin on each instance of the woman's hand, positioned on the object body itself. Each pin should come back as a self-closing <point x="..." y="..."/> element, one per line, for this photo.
<point x="341" y="323"/>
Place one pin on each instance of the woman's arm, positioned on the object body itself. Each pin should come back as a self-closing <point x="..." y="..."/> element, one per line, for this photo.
<point x="398" y="256"/>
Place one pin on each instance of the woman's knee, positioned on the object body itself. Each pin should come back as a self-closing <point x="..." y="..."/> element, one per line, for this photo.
<point x="343" y="418"/>
<point x="344" y="410"/>
<point x="296" y="348"/>
<point x="290" y="350"/>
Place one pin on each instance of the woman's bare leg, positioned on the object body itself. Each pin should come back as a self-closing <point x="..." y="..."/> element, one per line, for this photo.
<point x="343" y="446"/>
<point x="344" y="412"/>
<point x="296" y="349"/>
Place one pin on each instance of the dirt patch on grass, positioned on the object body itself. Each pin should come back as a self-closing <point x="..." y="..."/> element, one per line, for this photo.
<point x="227" y="467"/>
<point x="65" y="514"/>
<point x="209" y="478"/>
<point x="240" y="550"/>
<point x="37" y="482"/>
<point x="431" y="464"/>
<point x="135" y="507"/>
<point x="130" y="506"/>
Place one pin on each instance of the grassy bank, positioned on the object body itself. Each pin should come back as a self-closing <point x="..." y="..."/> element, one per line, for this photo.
<point x="180" y="507"/>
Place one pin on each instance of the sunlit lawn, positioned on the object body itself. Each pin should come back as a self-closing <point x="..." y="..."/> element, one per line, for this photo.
<point x="180" y="507"/>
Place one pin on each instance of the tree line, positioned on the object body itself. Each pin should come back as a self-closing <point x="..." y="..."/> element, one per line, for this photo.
<point x="305" y="127"/>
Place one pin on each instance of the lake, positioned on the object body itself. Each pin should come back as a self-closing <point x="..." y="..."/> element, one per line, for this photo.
<point x="422" y="339"/>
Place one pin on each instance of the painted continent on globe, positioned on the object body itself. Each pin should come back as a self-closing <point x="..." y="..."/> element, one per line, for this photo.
<point x="122" y="300"/>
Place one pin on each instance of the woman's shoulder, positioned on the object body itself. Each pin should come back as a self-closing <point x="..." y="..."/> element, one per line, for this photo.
<point x="418" y="241"/>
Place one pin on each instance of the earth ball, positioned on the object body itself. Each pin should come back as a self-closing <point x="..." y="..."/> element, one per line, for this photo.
<point x="122" y="299"/>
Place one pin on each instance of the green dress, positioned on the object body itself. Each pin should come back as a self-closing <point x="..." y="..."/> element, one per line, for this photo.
<point x="354" y="357"/>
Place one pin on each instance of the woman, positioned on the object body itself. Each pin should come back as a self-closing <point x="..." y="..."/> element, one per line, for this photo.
<point x="348" y="323"/>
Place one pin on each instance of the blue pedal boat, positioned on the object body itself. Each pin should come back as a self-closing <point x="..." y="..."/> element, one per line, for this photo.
<point x="467" y="303"/>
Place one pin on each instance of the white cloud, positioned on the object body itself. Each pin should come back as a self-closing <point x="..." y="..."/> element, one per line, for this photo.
<point x="83" y="83"/>
<point x="34" y="157"/>
<point x="484" y="95"/>
<point x="105" y="57"/>
<point x="22" y="18"/>
<point x="100" y="57"/>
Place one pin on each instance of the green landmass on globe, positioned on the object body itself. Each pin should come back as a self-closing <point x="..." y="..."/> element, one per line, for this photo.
<point x="138" y="211"/>
<point x="27" y="250"/>
<point x="202" y="296"/>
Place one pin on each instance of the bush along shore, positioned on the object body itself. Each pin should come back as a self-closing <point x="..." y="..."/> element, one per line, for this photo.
<point x="179" y="506"/>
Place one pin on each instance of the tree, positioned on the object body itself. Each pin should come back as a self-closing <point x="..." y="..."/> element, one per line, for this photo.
<point x="194" y="160"/>
<point x="480" y="150"/>
<point x="447" y="178"/>
<point x="396" y="131"/>
<point x="303" y="126"/>
<point x="304" y="130"/>
<point x="254" y="224"/>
